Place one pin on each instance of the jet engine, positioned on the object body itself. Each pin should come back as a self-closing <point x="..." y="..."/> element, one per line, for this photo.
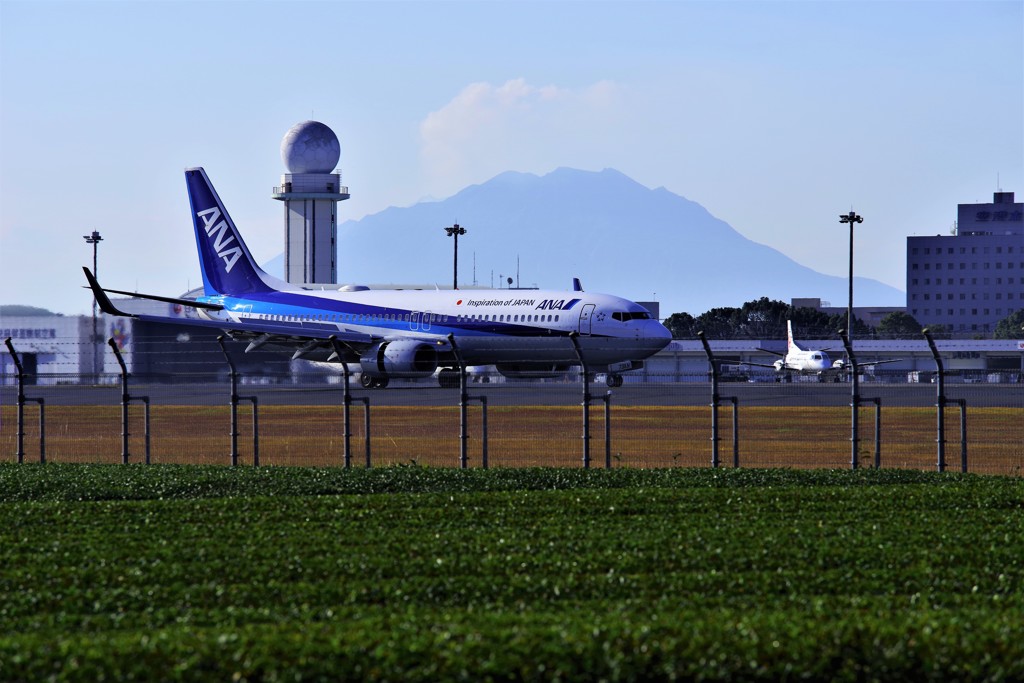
<point x="401" y="358"/>
<point x="780" y="365"/>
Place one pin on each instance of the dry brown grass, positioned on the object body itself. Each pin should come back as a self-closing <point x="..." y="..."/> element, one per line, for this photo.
<point x="799" y="437"/>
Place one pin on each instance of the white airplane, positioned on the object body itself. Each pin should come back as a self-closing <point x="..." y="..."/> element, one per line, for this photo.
<point x="391" y="333"/>
<point x="808" y="361"/>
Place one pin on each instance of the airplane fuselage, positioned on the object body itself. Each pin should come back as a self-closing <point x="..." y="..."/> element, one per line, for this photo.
<point x="807" y="361"/>
<point x="489" y="326"/>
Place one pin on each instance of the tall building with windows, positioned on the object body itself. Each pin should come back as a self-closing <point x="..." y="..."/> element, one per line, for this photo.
<point x="972" y="279"/>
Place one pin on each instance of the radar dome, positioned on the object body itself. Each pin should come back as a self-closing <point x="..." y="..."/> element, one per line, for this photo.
<point x="310" y="147"/>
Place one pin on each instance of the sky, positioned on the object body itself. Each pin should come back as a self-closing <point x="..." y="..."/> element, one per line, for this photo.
<point x="775" y="115"/>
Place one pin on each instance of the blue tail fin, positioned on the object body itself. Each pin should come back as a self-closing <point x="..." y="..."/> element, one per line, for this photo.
<point x="227" y="265"/>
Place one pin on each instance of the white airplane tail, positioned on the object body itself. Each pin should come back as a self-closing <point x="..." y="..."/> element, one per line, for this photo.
<point x="792" y="345"/>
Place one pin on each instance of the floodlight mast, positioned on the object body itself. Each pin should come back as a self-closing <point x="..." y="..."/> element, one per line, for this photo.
<point x="454" y="231"/>
<point x="850" y="218"/>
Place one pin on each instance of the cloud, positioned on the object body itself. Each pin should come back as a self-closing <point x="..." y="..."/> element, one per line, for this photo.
<point x="487" y="129"/>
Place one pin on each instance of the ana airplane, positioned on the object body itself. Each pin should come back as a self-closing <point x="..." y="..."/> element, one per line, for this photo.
<point x="808" y="361"/>
<point x="393" y="333"/>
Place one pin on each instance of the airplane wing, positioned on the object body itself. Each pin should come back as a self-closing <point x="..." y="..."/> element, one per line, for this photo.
<point x="304" y="338"/>
<point x="774" y="353"/>
<point x="760" y="365"/>
<point x="862" y="363"/>
<point x="107" y="307"/>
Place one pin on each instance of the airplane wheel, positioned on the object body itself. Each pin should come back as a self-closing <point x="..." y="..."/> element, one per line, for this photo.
<point x="448" y="379"/>
<point x="380" y="382"/>
<point x="613" y="380"/>
<point x="367" y="381"/>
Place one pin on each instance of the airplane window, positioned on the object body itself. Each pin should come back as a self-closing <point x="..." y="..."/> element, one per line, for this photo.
<point x="556" y="318"/>
<point x="636" y="315"/>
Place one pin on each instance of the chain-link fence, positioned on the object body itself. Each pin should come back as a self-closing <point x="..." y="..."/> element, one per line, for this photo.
<point x="649" y="421"/>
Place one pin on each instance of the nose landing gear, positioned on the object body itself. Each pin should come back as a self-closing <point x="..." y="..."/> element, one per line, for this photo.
<point x="613" y="379"/>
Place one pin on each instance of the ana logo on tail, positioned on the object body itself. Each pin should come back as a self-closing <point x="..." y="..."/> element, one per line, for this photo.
<point x="221" y="237"/>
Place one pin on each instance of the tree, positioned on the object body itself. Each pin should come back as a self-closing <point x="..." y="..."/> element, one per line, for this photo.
<point x="681" y="325"/>
<point x="762" y="318"/>
<point x="1010" y="327"/>
<point x="899" y="325"/>
<point x="718" y="323"/>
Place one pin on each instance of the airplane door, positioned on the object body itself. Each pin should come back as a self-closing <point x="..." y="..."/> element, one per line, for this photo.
<point x="414" y="321"/>
<point x="586" y="318"/>
<point x="426" y="320"/>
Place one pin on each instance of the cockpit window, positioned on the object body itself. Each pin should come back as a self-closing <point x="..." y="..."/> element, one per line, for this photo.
<point x="623" y="316"/>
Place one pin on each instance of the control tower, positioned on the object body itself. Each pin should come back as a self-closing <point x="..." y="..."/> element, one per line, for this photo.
<point x="310" y="191"/>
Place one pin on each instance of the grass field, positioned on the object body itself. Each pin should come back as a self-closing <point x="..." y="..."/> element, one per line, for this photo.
<point x="528" y="436"/>
<point x="423" y="574"/>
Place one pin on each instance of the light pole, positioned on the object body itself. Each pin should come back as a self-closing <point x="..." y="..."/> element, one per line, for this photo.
<point x="455" y="231"/>
<point x="850" y="218"/>
<point x="94" y="239"/>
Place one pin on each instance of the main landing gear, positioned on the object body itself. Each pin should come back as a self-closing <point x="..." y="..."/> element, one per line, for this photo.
<point x="613" y="379"/>
<point x="373" y="381"/>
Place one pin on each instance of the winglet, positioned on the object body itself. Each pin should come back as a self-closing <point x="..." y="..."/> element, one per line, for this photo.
<point x="101" y="297"/>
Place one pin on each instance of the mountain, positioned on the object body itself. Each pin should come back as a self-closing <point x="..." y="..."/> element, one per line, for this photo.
<point x="613" y="233"/>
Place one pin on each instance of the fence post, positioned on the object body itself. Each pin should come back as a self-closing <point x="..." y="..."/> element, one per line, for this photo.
<point x="346" y="401"/>
<point x="574" y="338"/>
<point x="126" y="398"/>
<point x="963" y="433"/>
<point x="607" y="398"/>
<point x="715" y="399"/>
<point x="735" y="430"/>
<point x="464" y="399"/>
<point x="483" y="452"/>
<point x="854" y="400"/>
<point x="878" y="432"/>
<point x="346" y="409"/>
<point x="21" y="410"/>
<point x="940" y="402"/>
<point x="235" y="398"/>
<point x="366" y="427"/>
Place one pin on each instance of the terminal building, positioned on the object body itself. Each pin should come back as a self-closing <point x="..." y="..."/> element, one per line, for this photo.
<point x="970" y="280"/>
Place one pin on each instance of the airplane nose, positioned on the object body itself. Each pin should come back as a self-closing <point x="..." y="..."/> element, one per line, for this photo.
<point x="658" y="334"/>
